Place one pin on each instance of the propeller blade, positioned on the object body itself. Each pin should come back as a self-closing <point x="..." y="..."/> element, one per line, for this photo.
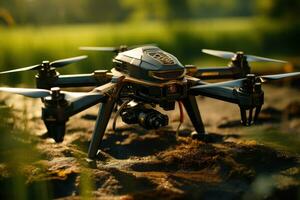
<point x="40" y="93"/>
<point x="34" y="67"/>
<point x="251" y="58"/>
<point x="234" y="83"/>
<point x="239" y="82"/>
<point x="142" y="45"/>
<point x="33" y="93"/>
<point x="110" y="49"/>
<point x="279" y="76"/>
<point x="114" y="49"/>
<point x="76" y="95"/>
<point x="57" y="63"/>
<point x="64" y="62"/>
<point x="230" y="55"/>
<point x="221" y="54"/>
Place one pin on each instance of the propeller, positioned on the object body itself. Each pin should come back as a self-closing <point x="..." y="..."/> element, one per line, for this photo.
<point x="239" y="82"/>
<point x="109" y="49"/>
<point x="48" y="65"/>
<point x="231" y="56"/>
<point x="251" y="84"/>
<point x="121" y="48"/>
<point x="41" y="93"/>
<point x="279" y="76"/>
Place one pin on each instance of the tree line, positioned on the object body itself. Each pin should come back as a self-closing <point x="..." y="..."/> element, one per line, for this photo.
<point x="102" y="11"/>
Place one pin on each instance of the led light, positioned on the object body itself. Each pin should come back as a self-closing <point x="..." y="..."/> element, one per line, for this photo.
<point x="172" y="89"/>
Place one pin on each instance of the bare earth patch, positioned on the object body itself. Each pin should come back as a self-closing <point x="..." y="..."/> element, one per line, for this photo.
<point x="133" y="163"/>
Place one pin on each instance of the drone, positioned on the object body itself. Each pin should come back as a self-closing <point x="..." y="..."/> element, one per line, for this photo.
<point x="141" y="79"/>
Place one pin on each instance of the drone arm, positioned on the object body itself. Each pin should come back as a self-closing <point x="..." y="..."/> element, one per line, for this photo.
<point x="80" y="104"/>
<point x="220" y="93"/>
<point x="57" y="110"/>
<point x="245" y="99"/>
<point x="216" y="72"/>
<point x="78" y="80"/>
<point x="83" y="103"/>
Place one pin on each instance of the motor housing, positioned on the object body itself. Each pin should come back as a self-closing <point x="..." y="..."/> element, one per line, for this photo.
<point x="55" y="116"/>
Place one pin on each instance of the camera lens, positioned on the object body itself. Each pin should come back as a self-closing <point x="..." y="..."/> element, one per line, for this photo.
<point x="147" y="118"/>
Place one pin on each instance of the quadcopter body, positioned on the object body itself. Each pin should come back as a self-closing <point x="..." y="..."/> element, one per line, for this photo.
<point x="151" y="74"/>
<point x="141" y="79"/>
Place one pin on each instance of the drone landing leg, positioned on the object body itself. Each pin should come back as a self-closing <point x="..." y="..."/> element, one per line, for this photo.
<point x="103" y="117"/>
<point x="191" y="107"/>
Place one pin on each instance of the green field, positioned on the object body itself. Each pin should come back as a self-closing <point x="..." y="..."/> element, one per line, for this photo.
<point x="23" y="46"/>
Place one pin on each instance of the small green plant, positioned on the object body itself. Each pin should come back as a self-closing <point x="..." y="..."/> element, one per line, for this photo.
<point x="17" y="160"/>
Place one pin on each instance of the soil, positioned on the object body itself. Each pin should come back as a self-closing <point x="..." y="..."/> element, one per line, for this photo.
<point x="137" y="164"/>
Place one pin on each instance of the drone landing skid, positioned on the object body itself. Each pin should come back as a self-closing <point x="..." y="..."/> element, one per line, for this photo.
<point x="106" y="109"/>
<point x="192" y="109"/>
<point x="103" y="117"/>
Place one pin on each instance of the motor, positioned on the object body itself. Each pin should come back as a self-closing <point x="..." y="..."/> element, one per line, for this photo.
<point x="54" y="115"/>
<point x="251" y="86"/>
<point x="145" y="117"/>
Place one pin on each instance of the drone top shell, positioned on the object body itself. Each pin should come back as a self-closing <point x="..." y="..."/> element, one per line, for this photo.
<point x="149" y="63"/>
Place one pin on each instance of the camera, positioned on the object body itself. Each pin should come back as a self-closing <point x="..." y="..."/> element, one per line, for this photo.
<point x="145" y="117"/>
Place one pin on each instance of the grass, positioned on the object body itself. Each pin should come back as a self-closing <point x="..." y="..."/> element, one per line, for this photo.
<point x="17" y="155"/>
<point x="276" y="138"/>
<point x="23" y="46"/>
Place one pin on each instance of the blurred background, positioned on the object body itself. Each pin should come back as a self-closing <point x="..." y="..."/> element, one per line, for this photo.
<point x="36" y="30"/>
